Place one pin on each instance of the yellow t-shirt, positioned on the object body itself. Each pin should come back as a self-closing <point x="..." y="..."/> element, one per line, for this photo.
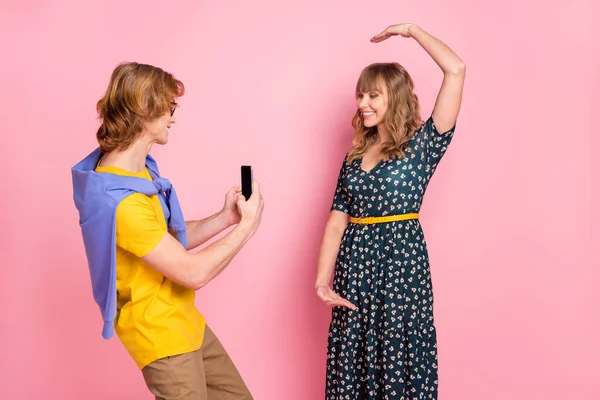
<point x="156" y="317"/>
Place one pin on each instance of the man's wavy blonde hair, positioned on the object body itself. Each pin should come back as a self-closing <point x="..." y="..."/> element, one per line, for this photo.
<point x="137" y="93"/>
<point x="402" y="118"/>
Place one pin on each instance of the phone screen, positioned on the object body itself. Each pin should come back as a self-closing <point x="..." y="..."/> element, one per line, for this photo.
<point x="246" y="181"/>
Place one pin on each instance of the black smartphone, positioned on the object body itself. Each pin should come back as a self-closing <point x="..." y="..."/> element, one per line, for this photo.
<point x="247" y="181"/>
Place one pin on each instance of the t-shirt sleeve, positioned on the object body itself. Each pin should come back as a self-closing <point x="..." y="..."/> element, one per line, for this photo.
<point x="341" y="200"/>
<point x="138" y="228"/>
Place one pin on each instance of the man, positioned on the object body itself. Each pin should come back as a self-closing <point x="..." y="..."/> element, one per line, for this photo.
<point x="135" y="237"/>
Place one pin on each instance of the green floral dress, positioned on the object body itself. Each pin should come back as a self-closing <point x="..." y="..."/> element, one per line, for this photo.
<point x="386" y="349"/>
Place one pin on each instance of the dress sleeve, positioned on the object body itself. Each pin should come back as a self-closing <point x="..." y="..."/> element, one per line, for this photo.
<point x="435" y="143"/>
<point x="341" y="200"/>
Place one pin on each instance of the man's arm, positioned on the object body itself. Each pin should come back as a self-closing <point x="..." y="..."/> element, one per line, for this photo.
<point x="198" y="232"/>
<point x="194" y="271"/>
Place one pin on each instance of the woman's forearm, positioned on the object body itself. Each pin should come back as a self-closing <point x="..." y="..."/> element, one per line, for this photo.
<point x="328" y="254"/>
<point x="444" y="57"/>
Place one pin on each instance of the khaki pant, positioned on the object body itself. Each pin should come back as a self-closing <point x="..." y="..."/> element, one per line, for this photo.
<point x="205" y="374"/>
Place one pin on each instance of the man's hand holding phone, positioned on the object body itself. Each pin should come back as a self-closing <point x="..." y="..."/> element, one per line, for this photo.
<point x="251" y="209"/>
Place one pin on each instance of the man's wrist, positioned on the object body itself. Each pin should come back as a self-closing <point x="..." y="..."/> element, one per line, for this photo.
<point x="245" y="227"/>
<point x="228" y="217"/>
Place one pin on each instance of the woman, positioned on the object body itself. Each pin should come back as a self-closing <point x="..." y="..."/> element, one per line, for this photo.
<point x="382" y="339"/>
<point x="135" y="237"/>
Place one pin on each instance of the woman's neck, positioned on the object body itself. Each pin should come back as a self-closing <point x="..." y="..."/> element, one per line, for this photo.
<point x="382" y="135"/>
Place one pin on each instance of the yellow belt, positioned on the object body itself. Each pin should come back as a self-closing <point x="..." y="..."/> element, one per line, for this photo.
<point x="378" y="220"/>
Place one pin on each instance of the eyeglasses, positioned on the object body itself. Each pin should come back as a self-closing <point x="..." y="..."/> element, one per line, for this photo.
<point x="172" y="109"/>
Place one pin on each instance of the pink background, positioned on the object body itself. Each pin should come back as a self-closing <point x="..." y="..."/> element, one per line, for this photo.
<point x="508" y="216"/>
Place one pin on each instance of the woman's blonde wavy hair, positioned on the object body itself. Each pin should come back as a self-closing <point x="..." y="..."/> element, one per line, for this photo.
<point x="402" y="118"/>
<point x="137" y="93"/>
